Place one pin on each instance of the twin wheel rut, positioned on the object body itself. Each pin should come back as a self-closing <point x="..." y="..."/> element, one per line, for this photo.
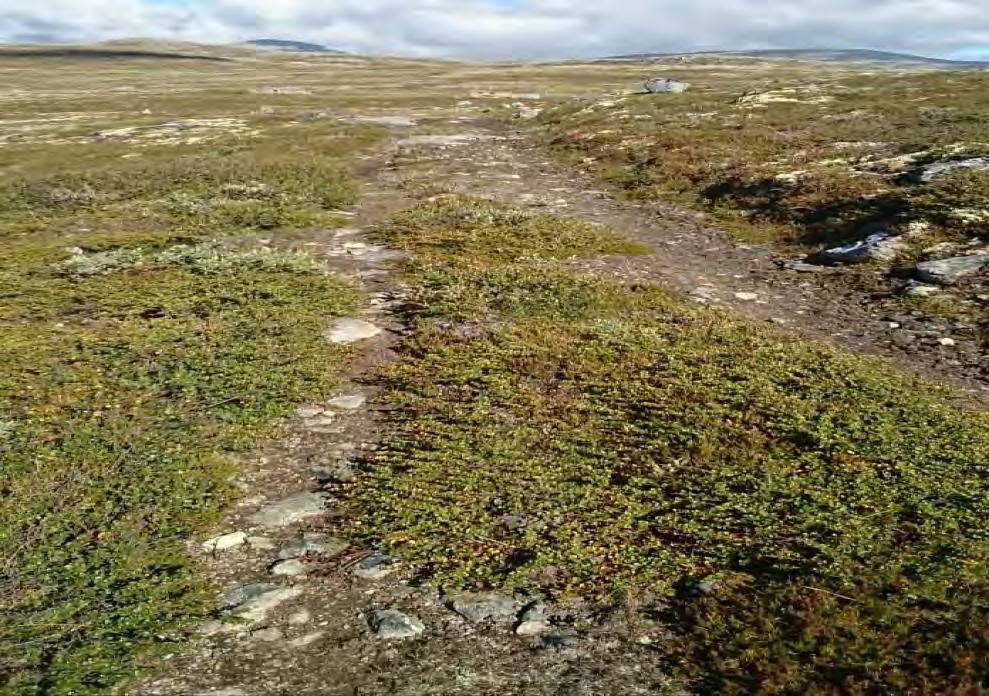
<point x="303" y="628"/>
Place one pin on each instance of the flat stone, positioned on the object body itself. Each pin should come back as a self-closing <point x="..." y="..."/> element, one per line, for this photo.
<point x="293" y="509"/>
<point x="804" y="267"/>
<point x="253" y="602"/>
<point x="533" y="622"/>
<point x="483" y="606"/>
<point x="393" y="121"/>
<point x="347" y="402"/>
<point x="350" y="330"/>
<point x="444" y="140"/>
<point x="300" y="618"/>
<point x="389" y="624"/>
<point x="376" y="566"/>
<point x="306" y="640"/>
<point x="291" y="568"/>
<point x="747" y="296"/>
<point x="268" y="635"/>
<point x="947" y="342"/>
<point x="933" y="171"/>
<point x="311" y="544"/>
<point x="921" y="290"/>
<point x="950" y="271"/>
<point x="260" y="542"/>
<point x="225" y="541"/>
<point x="881" y="246"/>
<point x="309" y="411"/>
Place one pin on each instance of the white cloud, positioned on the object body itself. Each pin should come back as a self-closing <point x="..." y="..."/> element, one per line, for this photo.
<point x="519" y="29"/>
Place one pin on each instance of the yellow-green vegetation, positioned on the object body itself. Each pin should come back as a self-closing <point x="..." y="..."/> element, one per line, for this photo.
<point x="148" y="335"/>
<point x="808" y="521"/>
<point x="803" y="154"/>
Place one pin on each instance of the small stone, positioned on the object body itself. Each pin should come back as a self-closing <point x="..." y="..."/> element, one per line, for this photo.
<point x="291" y="568"/>
<point x="389" y="624"/>
<point x="350" y="331"/>
<point x="268" y="635"/>
<point x="308" y="639"/>
<point x="300" y="618"/>
<point x="804" y="267"/>
<point x="894" y="325"/>
<point x="253" y="602"/>
<point x="920" y="290"/>
<point x="290" y="510"/>
<point x="947" y="341"/>
<point x="477" y="607"/>
<point x="308" y="411"/>
<point x="348" y="402"/>
<point x="532" y="621"/>
<point x="225" y="541"/>
<point x="311" y="544"/>
<point x="376" y="566"/>
<point x="747" y="296"/>
<point x="558" y="641"/>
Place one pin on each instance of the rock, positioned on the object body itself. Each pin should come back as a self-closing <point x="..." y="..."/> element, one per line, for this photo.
<point x="340" y="472"/>
<point x="350" y="330"/>
<point x="389" y="624"/>
<point x="308" y="639"/>
<point x="533" y="621"/>
<point x="558" y="641"/>
<point x="253" y="602"/>
<point x="933" y="171"/>
<point x="881" y="246"/>
<point x="268" y="635"/>
<point x="293" y="509"/>
<point x="311" y="544"/>
<point x="747" y="296"/>
<point x="260" y="542"/>
<point x="376" y="566"/>
<point x="225" y="541"/>
<point x="393" y="121"/>
<point x="804" y="267"/>
<point x="477" y="607"/>
<point x="291" y="568"/>
<point x="950" y="271"/>
<point x="525" y="113"/>
<point x="309" y="411"/>
<point x="947" y="342"/>
<point x="348" y="402"/>
<point x="443" y="140"/>
<point x="663" y="85"/>
<point x="300" y="618"/>
<point x="920" y="290"/>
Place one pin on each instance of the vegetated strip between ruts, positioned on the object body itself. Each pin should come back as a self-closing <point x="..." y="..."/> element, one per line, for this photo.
<point x="149" y="329"/>
<point x="805" y="520"/>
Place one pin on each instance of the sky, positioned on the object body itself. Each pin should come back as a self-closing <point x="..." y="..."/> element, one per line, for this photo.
<point x="520" y="29"/>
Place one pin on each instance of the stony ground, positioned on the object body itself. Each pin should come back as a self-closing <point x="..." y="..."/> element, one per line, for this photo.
<point x="300" y="609"/>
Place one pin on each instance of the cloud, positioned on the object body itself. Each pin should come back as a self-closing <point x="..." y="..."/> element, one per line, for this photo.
<point x="519" y="28"/>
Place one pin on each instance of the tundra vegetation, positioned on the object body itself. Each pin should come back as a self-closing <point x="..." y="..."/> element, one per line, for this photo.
<point x="803" y="520"/>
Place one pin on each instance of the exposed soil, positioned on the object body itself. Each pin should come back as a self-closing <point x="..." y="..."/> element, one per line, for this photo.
<point x="329" y="648"/>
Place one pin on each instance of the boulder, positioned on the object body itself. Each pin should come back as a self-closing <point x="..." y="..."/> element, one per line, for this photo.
<point x="390" y="624"/>
<point x="881" y="246"/>
<point x="664" y="85"/>
<point x="477" y="607"/>
<point x="950" y="271"/>
<point x="933" y="171"/>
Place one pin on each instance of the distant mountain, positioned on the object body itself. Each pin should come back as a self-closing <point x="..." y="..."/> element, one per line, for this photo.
<point x="290" y="46"/>
<point x="833" y="55"/>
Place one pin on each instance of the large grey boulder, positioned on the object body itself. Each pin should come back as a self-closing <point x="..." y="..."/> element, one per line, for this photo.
<point x="664" y="85"/>
<point x="950" y="271"/>
<point x="482" y="606"/>
<point x="933" y="171"/>
<point x="881" y="246"/>
<point x="390" y="624"/>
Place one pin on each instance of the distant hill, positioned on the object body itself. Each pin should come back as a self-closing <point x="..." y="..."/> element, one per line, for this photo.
<point x="290" y="46"/>
<point x="839" y="55"/>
